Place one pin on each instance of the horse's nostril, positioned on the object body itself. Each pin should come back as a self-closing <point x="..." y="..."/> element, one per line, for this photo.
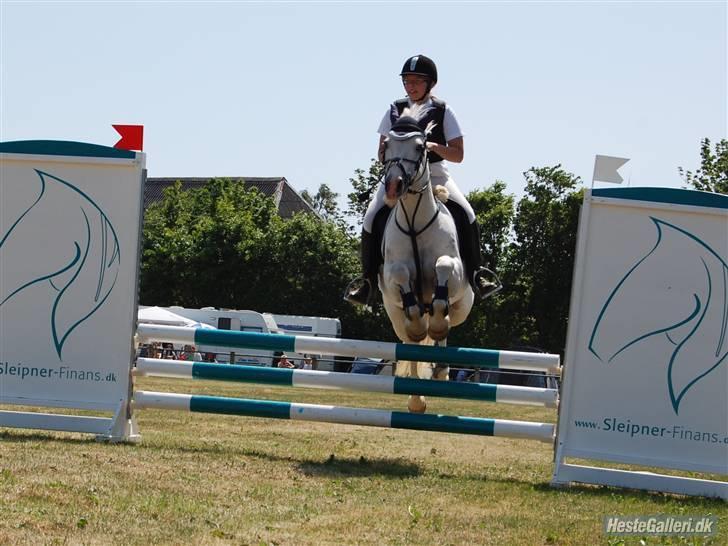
<point x="393" y="186"/>
<point x="393" y="181"/>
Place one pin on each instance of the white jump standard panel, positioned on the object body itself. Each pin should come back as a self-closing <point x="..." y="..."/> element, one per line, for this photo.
<point x="647" y="348"/>
<point x="70" y="226"/>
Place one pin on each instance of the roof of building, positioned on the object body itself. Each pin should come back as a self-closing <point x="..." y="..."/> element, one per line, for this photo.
<point x="286" y="198"/>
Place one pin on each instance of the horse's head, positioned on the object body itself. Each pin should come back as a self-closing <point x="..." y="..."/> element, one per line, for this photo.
<point x="405" y="156"/>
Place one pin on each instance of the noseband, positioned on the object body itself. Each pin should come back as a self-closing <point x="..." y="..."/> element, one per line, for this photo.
<point x="398" y="162"/>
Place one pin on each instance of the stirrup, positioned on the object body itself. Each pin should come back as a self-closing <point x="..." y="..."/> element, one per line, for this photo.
<point x="358" y="292"/>
<point x="485" y="283"/>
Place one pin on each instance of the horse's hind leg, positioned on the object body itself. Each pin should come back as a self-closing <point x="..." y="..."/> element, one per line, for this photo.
<point x="439" y="324"/>
<point x="406" y="368"/>
<point x="441" y="371"/>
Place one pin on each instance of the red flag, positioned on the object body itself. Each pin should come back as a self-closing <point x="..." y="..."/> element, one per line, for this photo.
<point x="132" y="137"/>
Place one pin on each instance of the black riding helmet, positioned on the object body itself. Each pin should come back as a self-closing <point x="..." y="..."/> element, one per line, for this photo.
<point x="422" y="66"/>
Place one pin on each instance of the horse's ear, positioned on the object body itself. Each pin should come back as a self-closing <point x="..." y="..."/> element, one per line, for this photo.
<point x="430" y="127"/>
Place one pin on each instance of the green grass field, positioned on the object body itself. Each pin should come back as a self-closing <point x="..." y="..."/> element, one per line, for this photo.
<point x="208" y="479"/>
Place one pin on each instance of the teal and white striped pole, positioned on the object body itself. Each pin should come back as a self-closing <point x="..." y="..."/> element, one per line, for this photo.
<point x="346" y="381"/>
<point x="477" y="358"/>
<point x="343" y="415"/>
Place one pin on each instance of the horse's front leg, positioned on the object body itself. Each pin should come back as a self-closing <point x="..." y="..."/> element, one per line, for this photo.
<point x="414" y="322"/>
<point x="439" y="324"/>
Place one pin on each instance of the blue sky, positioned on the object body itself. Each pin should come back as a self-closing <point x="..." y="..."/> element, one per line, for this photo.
<point x="298" y="89"/>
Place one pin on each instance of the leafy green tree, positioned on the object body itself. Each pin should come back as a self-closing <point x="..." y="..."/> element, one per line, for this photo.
<point x="309" y="261"/>
<point x="325" y="204"/>
<point x="494" y="210"/>
<point x="365" y="186"/>
<point x="541" y="259"/>
<point x="712" y="175"/>
<point x="195" y="241"/>
<point x="225" y="246"/>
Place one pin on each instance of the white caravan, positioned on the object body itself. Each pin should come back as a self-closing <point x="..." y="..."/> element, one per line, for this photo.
<point x="308" y="326"/>
<point x="242" y="321"/>
<point x="252" y="321"/>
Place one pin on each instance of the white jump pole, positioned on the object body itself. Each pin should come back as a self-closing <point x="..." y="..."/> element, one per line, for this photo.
<point x="352" y="416"/>
<point x="346" y="381"/>
<point x="477" y="358"/>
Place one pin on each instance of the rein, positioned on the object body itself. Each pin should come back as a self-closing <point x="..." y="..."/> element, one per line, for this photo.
<point x="410" y="231"/>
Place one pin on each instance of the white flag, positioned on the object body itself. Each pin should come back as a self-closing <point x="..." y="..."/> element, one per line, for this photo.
<point x="605" y="169"/>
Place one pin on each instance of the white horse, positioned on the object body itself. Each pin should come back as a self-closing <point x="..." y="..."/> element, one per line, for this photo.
<point x="423" y="281"/>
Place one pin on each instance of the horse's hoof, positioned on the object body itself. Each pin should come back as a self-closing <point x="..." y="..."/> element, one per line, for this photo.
<point x="439" y="330"/>
<point x="441" y="374"/>
<point x="417" y="407"/>
<point x="416" y="337"/>
<point x="437" y="334"/>
<point x="416" y="330"/>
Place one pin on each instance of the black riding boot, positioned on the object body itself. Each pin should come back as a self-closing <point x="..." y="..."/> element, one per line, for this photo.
<point x="360" y="290"/>
<point x="484" y="282"/>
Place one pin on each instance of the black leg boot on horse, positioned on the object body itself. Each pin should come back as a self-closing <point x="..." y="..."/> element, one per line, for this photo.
<point x="484" y="282"/>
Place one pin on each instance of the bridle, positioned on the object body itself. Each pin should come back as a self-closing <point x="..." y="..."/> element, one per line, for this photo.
<point x="420" y="170"/>
<point x="419" y="163"/>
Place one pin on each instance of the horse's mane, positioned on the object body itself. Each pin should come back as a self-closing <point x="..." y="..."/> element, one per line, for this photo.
<point x="418" y="111"/>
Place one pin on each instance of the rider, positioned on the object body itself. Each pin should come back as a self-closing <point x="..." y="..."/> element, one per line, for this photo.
<point x="445" y="142"/>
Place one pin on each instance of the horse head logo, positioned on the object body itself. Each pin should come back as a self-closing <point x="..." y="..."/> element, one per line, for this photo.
<point x="676" y="298"/>
<point x="75" y="257"/>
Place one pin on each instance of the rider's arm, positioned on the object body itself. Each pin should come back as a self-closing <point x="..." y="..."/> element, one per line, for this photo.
<point x="453" y="152"/>
<point x="380" y="150"/>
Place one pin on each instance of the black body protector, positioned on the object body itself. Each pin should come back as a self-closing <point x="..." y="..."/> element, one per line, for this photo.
<point x="436" y="113"/>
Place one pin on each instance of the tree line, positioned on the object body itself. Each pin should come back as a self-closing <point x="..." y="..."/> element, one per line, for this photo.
<point x="224" y="245"/>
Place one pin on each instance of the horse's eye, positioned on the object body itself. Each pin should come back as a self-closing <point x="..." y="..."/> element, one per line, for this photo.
<point x="420" y="147"/>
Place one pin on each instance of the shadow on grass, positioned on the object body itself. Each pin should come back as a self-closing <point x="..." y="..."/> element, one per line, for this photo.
<point x="333" y="466"/>
<point x="360" y="467"/>
<point x="49" y="436"/>
<point x="632" y="494"/>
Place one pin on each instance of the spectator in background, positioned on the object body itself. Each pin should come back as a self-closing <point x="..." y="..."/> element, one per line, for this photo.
<point x="190" y="353"/>
<point x="282" y="362"/>
<point x="307" y="363"/>
<point x="168" y="351"/>
<point x="144" y="351"/>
